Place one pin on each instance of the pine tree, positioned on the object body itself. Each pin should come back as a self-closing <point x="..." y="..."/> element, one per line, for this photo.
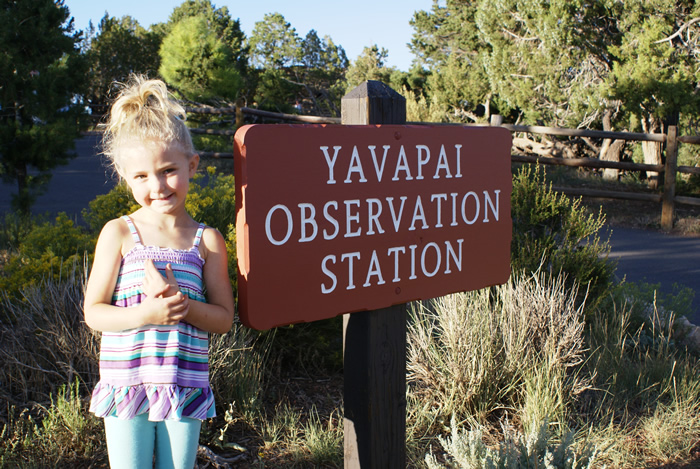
<point x="198" y="62"/>
<point x="121" y="47"/>
<point x="41" y="75"/>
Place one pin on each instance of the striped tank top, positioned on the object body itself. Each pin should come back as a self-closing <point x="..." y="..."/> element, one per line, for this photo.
<point x="161" y="370"/>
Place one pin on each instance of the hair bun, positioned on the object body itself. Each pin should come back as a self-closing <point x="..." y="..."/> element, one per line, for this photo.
<point x="144" y="110"/>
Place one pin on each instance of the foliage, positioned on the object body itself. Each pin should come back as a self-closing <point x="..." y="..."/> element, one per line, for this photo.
<point x="214" y="203"/>
<point x="654" y="77"/>
<point x="446" y="40"/>
<point x="45" y="341"/>
<point x="562" y="63"/>
<point x="120" y="47"/>
<point x="105" y="207"/>
<point x="40" y="113"/>
<point x="295" y="74"/>
<point x="557" y="233"/>
<point x="536" y="450"/>
<point x="474" y="353"/>
<point x="61" y="435"/>
<point x="274" y="43"/>
<point x="236" y="364"/>
<point x="274" y="90"/>
<point x="14" y="230"/>
<point x="48" y="251"/>
<point x="323" y="66"/>
<point x="219" y="20"/>
<point x="198" y="62"/>
<point x="369" y="65"/>
<point x="647" y="383"/>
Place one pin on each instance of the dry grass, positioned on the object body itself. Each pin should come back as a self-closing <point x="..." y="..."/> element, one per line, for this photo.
<point x="44" y="342"/>
<point x="515" y="347"/>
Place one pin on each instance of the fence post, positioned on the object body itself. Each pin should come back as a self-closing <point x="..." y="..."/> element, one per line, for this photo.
<point x="374" y="342"/>
<point x="667" y="199"/>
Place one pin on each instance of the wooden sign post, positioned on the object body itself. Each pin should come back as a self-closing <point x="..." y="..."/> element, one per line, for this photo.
<point x="364" y="218"/>
<point x="374" y="342"/>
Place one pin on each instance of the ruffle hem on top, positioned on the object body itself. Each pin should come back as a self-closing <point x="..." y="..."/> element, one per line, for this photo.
<point x="159" y="401"/>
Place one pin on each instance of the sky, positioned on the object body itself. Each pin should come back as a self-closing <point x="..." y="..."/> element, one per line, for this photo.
<point x="352" y="24"/>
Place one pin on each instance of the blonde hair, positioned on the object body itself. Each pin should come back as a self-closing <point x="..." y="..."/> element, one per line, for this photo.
<point x="144" y="111"/>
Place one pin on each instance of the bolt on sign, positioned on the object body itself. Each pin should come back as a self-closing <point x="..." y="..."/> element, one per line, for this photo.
<point x="339" y="219"/>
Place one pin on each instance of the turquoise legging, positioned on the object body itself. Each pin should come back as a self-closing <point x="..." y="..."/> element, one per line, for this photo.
<point x="131" y="444"/>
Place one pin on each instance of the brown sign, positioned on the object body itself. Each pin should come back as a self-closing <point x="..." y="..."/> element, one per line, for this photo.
<point x="338" y="219"/>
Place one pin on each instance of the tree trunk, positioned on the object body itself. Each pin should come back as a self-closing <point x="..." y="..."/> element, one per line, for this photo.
<point x="611" y="149"/>
<point x="23" y="202"/>
<point x="651" y="150"/>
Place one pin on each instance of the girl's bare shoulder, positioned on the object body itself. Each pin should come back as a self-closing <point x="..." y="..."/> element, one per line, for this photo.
<point x="212" y="241"/>
<point x="116" y="234"/>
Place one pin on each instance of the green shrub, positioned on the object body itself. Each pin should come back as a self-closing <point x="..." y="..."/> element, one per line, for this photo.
<point x="476" y="353"/>
<point x="538" y="449"/>
<point x="14" y="229"/>
<point x="106" y="207"/>
<point x="556" y="232"/>
<point x="48" y="252"/>
<point x="214" y="203"/>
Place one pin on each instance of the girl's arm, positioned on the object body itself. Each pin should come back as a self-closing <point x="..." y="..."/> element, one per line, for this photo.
<point x="216" y="315"/>
<point x="100" y="314"/>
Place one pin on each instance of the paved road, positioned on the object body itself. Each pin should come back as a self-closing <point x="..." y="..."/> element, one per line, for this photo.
<point x="658" y="258"/>
<point x="643" y="255"/>
<point x="72" y="186"/>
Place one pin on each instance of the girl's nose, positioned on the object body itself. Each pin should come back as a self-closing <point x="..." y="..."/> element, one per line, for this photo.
<point x="156" y="184"/>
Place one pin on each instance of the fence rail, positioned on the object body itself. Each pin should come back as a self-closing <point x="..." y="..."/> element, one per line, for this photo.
<point x="667" y="198"/>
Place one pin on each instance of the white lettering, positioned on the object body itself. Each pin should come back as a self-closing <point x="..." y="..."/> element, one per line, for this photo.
<point x="459" y="161"/>
<point x="350" y="256"/>
<point x="379" y="170"/>
<point x="418" y="216"/>
<point x="412" y="248"/>
<point x="268" y="229"/>
<point x="442" y="164"/>
<point x="489" y="203"/>
<point x="332" y="220"/>
<point x="450" y="252"/>
<point x="437" y="261"/>
<point x="352" y="217"/>
<point x="395" y="251"/>
<point x="396" y="219"/>
<point x="308" y="220"/>
<point x="355" y="167"/>
<point x="373" y="216"/>
<point x="422" y="161"/>
<point x="464" y="212"/>
<point x="402" y="165"/>
<point x="439" y="198"/>
<point x="326" y="290"/>
<point x="454" y="208"/>
<point x="331" y="161"/>
<point x="374" y="270"/>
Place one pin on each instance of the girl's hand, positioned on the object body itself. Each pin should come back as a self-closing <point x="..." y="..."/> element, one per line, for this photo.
<point x="165" y="310"/>
<point x="154" y="285"/>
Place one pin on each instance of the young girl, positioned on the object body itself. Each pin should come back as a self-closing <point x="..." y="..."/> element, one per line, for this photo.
<point x="147" y="294"/>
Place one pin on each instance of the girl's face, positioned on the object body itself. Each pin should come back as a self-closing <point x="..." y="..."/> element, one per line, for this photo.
<point x="158" y="175"/>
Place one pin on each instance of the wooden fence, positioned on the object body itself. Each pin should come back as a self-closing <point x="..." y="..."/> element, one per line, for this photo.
<point x="670" y="169"/>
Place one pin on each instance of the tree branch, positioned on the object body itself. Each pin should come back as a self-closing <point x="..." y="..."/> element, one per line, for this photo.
<point x="680" y="30"/>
